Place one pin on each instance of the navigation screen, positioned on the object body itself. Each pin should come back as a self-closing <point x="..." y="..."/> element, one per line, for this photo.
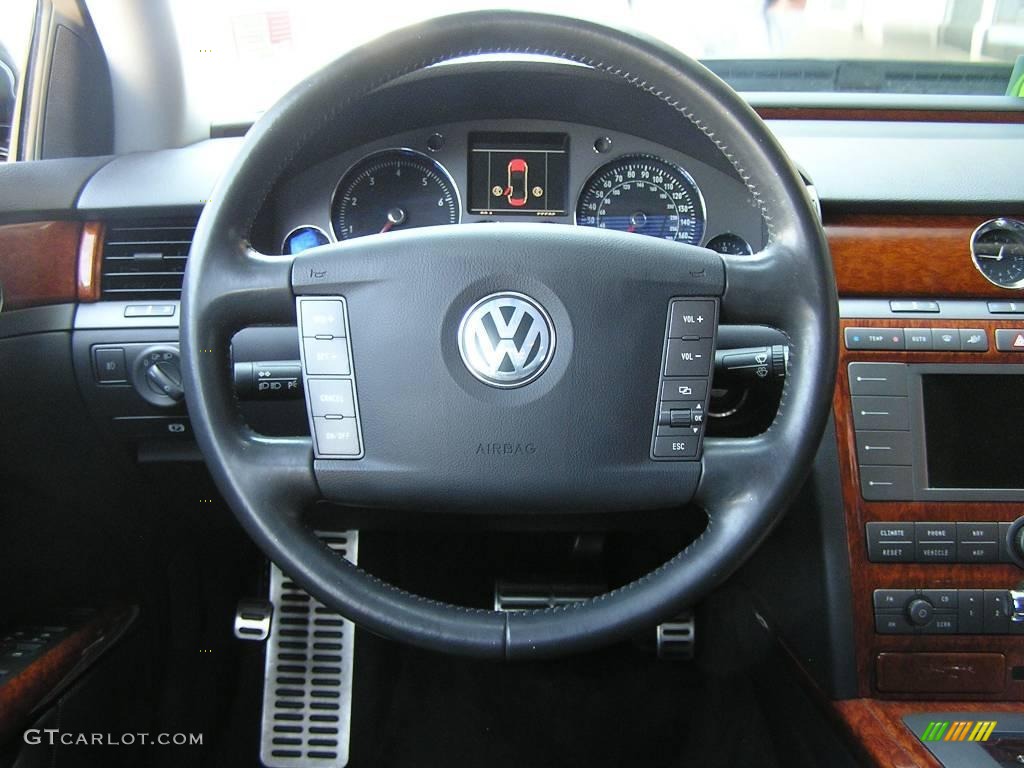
<point x="518" y="173"/>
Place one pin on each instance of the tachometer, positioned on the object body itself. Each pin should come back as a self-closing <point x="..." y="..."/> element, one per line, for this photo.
<point x="393" y="189"/>
<point x="646" y="195"/>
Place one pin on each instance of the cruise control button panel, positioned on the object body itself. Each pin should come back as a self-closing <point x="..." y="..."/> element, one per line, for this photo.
<point x="685" y="381"/>
<point x="328" y="378"/>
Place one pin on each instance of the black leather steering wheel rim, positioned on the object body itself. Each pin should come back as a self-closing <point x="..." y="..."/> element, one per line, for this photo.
<point x="744" y="485"/>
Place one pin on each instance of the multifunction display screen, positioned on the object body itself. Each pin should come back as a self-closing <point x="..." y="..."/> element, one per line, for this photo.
<point x="518" y="173"/>
<point x="974" y="430"/>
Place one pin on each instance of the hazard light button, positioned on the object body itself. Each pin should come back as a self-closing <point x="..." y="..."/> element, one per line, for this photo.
<point x="1010" y="339"/>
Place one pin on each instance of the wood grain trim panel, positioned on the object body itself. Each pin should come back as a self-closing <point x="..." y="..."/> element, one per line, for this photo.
<point x="892" y="115"/>
<point x="37" y="682"/>
<point x="39" y="262"/>
<point x="90" y="261"/>
<point x="866" y="577"/>
<point x="908" y="255"/>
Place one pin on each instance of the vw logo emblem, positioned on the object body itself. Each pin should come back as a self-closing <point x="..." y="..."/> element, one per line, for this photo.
<point x="506" y="339"/>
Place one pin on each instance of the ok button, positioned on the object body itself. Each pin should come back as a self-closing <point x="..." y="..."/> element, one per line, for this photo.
<point x="688" y="357"/>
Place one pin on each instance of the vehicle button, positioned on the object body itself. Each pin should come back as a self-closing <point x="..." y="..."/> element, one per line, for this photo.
<point x="884" y="448"/>
<point x="880" y="413"/>
<point x="942" y="599"/>
<point x="1006" y="307"/>
<point x="892" y="599"/>
<point x="946" y="340"/>
<point x="893" y="624"/>
<point x="973" y="340"/>
<point x="913" y="305"/>
<point x="970" y="611"/>
<point x="1010" y="339"/>
<point x="326" y="357"/>
<point x="336" y="437"/>
<point x="996" y="620"/>
<point x="972" y="532"/>
<point x="688" y="358"/>
<point x="684" y="389"/>
<point x="691" y="319"/>
<point x="323" y="317"/>
<point x="331" y="397"/>
<point x="887" y="483"/>
<point x="874" y="338"/>
<point x="935" y="552"/>
<point x="878" y="379"/>
<point x="110" y="366"/>
<point x="918" y="338"/>
<point x="681" y="447"/>
<point x="149" y="310"/>
<point x="977" y="552"/>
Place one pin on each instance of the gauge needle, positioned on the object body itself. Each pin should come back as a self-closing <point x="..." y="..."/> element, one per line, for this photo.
<point x="993" y="256"/>
<point x="636" y="221"/>
<point x="396" y="216"/>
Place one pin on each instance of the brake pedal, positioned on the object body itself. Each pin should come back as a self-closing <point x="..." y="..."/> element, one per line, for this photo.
<point x="676" y="639"/>
<point x="307" y="685"/>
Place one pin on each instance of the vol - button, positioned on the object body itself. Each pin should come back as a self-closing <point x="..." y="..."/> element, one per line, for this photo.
<point x="688" y="357"/>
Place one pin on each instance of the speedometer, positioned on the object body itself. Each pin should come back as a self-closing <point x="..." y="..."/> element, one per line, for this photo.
<point x="646" y="195"/>
<point x="391" y="190"/>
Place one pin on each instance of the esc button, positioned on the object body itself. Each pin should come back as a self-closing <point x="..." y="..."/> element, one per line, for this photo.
<point x="681" y="447"/>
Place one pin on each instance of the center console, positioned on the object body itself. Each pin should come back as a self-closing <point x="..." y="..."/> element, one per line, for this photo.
<point x="929" y="409"/>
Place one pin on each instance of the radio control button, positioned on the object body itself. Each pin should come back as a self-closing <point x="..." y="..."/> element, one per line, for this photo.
<point x="942" y="599"/>
<point x="893" y="624"/>
<point x="970" y="611"/>
<point x="920" y="612"/>
<point x="884" y="448"/>
<point x="996" y="612"/>
<point x="892" y="599"/>
<point x="688" y="358"/>
<point x="692" y="319"/>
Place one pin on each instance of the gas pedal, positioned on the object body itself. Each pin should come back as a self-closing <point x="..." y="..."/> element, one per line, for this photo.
<point x="520" y="596"/>
<point x="676" y="639"/>
<point x="307" y="684"/>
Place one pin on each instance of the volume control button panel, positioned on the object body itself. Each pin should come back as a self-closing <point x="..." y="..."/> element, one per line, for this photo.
<point x="328" y="377"/>
<point x="685" y="380"/>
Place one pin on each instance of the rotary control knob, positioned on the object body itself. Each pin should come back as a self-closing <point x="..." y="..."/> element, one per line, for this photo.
<point x="157" y="376"/>
<point x="919" y="611"/>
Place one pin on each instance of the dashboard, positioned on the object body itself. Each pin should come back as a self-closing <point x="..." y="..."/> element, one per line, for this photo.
<point x="480" y="171"/>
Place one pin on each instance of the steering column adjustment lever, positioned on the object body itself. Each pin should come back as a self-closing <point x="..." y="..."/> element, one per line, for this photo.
<point x="758" y="363"/>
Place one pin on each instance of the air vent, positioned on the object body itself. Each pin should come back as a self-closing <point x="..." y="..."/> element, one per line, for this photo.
<point x="146" y="260"/>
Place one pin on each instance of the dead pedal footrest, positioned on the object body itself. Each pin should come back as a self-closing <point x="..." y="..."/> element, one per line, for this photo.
<point x="307" y="686"/>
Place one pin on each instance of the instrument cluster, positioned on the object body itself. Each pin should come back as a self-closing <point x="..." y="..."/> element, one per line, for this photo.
<point x="516" y="170"/>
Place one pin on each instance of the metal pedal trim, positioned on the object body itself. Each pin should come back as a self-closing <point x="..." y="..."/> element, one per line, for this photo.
<point x="252" y="619"/>
<point x="307" y="683"/>
<point x="676" y="638"/>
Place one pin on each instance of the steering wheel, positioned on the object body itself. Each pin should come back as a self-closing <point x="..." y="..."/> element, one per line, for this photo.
<point x="556" y="412"/>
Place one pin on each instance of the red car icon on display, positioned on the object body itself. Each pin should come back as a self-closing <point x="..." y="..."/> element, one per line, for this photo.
<point x="518" y="183"/>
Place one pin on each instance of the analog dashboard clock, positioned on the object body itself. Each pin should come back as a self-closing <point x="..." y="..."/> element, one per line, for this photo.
<point x="997" y="248"/>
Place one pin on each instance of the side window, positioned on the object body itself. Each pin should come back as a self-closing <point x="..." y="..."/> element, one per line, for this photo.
<point x="17" y="19"/>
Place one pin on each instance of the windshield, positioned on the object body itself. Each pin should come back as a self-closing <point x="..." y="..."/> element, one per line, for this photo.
<point x="241" y="55"/>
